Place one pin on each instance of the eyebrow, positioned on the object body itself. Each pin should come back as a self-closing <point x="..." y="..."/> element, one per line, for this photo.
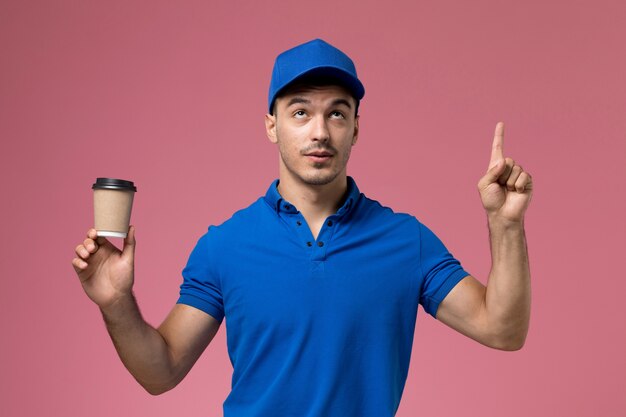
<point x="338" y="101"/>
<point x="302" y="100"/>
<point x="297" y="100"/>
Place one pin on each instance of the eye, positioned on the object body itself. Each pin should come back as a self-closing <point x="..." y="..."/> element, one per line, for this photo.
<point x="299" y="114"/>
<point x="336" y="114"/>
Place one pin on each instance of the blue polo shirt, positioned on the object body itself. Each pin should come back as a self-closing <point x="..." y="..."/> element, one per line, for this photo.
<point x="318" y="328"/>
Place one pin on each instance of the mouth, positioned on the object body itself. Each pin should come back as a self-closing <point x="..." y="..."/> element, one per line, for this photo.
<point x="319" y="156"/>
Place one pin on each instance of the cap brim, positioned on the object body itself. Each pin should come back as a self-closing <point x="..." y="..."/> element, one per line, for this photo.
<point x="344" y="78"/>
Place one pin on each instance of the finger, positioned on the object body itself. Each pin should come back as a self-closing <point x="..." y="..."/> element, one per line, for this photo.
<point x="497" y="152"/>
<point x="508" y="166"/>
<point x="79" y="265"/>
<point x="129" y="244"/>
<point x="90" y="245"/>
<point x="492" y="175"/>
<point x="524" y="182"/>
<point x="82" y="251"/>
<point x="513" y="176"/>
<point x="93" y="234"/>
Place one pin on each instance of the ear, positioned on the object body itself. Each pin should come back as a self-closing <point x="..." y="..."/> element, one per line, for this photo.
<point x="270" y="127"/>
<point x="356" y="130"/>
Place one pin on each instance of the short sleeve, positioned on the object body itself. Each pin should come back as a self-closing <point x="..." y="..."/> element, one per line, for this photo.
<point x="201" y="285"/>
<point x="440" y="271"/>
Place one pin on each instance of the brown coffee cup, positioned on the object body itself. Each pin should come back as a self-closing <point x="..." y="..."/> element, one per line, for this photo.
<point x="112" y="202"/>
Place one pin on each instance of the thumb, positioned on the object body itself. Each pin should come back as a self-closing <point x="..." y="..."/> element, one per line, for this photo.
<point x="129" y="245"/>
<point x="494" y="172"/>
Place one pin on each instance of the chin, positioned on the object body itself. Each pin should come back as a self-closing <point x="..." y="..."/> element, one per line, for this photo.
<point x="320" y="178"/>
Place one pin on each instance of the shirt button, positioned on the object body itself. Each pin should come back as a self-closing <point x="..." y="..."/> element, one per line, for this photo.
<point x="330" y="223"/>
<point x="320" y="244"/>
<point x="309" y="244"/>
<point x="299" y="223"/>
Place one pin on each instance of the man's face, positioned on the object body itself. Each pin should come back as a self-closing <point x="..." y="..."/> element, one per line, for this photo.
<point x="315" y="128"/>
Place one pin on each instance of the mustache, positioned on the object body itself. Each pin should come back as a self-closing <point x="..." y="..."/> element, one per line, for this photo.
<point x="328" y="149"/>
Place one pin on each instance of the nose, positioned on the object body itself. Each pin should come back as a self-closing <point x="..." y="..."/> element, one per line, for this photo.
<point x="320" y="129"/>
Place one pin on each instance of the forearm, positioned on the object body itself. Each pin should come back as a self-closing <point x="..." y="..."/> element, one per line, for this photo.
<point x="508" y="295"/>
<point x="140" y="346"/>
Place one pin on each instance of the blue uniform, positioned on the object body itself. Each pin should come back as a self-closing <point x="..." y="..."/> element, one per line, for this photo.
<point x="318" y="328"/>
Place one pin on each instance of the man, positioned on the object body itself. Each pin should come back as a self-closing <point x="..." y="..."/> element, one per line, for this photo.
<point x="319" y="284"/>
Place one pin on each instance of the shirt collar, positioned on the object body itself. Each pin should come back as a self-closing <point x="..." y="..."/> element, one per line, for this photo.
<point x="278" y="203"/>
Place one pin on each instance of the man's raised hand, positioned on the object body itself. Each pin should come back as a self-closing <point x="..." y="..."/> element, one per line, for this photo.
<point x="105" y="272"/>
<point x="506" y="189"/>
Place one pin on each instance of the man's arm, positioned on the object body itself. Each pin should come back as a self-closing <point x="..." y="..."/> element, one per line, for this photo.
<point x="497" y="315"/>
<point x="157" y="358"/>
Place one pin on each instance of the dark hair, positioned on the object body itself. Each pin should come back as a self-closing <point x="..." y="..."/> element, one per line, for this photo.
<point x="313" y="81"/>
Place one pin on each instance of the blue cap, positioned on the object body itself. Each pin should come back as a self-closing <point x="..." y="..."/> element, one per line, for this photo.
<point x="315" y="57"/>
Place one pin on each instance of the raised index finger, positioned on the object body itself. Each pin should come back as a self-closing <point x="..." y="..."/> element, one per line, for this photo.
<point x="496" y="149"/>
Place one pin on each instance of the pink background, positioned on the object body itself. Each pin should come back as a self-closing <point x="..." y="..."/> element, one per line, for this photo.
<point x="172" y="94"/>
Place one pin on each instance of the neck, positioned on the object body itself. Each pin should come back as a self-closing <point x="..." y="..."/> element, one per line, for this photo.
<point x="315" y="202"/>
